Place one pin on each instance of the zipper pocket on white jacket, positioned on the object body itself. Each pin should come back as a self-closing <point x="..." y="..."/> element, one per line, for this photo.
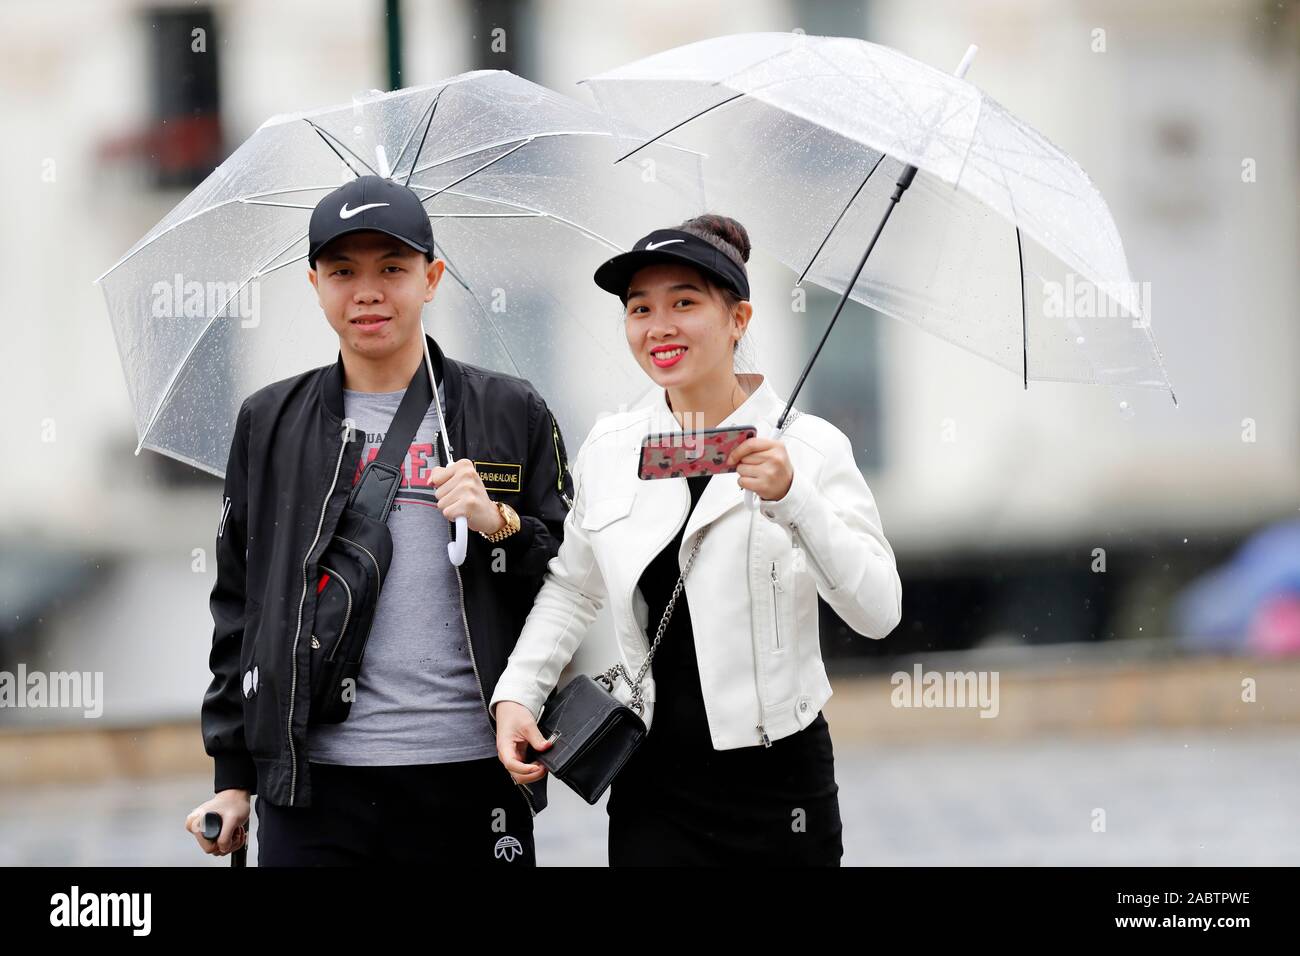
<point x="812" y="556"/>
<point x="776" y="608"/>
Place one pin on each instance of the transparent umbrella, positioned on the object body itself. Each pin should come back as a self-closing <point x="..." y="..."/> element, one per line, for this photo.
<point x="1001" y="245"/>
<point x="525" y="201"/>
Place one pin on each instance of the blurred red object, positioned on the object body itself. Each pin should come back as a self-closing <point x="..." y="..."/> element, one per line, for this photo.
<point x="1275" y="626"/>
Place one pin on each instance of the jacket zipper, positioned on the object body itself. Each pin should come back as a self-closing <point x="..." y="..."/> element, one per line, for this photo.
<point x="346" y="614"/>
<point x="560" y="467"/>
<point x="758" y="683"/>
<point x="830" y="581"/>
<point x="293" y="667"/>
<point x="776" y="623"/>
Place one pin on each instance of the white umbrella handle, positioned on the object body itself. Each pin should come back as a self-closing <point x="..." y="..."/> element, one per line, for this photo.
<point x="457" y="546"/>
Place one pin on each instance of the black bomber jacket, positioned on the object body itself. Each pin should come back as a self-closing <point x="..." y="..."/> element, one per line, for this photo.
<point x="286" y="483"/>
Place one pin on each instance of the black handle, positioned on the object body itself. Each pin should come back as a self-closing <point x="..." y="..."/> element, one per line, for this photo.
<point x="212" y="830"/>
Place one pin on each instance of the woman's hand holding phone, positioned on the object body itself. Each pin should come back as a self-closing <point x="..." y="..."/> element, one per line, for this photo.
<point x="690" y="454"/>
<point x="763" y="466"/>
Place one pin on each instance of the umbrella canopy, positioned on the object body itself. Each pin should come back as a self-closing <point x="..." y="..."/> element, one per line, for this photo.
<point x="1001" y="245"/>
<point x="525" y="201"/>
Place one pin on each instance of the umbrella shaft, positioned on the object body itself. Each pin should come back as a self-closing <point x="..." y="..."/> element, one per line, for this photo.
<point x="900" y="187"/>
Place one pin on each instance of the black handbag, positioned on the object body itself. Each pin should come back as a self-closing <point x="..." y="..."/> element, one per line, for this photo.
<point x="354" y="563"/>
<point x="592" y="733"/>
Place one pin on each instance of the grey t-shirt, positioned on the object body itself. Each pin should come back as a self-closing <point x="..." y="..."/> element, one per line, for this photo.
<point x="417" y="700"/>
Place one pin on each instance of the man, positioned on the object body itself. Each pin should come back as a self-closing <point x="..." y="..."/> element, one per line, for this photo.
<point x="411" y="775"/>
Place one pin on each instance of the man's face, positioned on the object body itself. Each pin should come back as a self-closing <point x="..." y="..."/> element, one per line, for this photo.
<point x="372" y="288"/>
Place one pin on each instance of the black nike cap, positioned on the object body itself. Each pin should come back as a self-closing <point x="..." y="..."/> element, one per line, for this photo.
<point x="671" y="245"/>
<point x="370" y="203"/>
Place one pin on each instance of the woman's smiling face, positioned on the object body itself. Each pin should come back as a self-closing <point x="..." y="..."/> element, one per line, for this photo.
<point x="678" y="327"/>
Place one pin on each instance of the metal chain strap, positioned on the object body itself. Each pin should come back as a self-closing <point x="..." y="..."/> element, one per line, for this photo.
<point x="619" y="671"/>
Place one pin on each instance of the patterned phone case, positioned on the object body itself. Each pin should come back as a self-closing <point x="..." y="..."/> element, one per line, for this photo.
<point x="673" y="455"/>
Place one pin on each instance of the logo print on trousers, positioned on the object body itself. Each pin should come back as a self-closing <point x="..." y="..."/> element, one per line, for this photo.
<point x="507" y="848"/>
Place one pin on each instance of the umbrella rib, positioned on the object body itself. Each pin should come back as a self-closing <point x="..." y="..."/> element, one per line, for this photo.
<point x="1155" y="349"/>
<point x="266" y="272"/>
<point x="970" y="143"/>
<point x="527" y="213"/>
<point x="176" y="374"/>
<point x="248" y="200"/>
<point x="529" y="137"/>
<point x="451" y="267"/>
<point x="900" y="101"/>
<point x="473" y="172"/>
<point x="679" y="125"/>
<point x="433" y="108"/>
<point x="1024" y="314"/>
<point x="485" y="215"/>
<point x="1024" y="308"/>
<point x="836" y="223"/>
<point x="722" y="82"/>
<point x="520" y="206"/>
<point x="296" y="189"/>
<point x="479" y="149"/>
<point x="492" y="323"/>
<point x="327" y="137"/>
<point x="281" y="205"/>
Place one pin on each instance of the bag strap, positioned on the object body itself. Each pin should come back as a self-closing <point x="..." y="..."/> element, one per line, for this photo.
<point x="618" y="671"/>
<point x="374" y="493"/>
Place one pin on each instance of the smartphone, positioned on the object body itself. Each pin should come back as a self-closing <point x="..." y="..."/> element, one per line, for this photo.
<point x="686" y="454"/>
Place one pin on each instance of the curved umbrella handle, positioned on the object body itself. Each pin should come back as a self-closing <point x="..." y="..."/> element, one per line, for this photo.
<point x="458" y="545"/>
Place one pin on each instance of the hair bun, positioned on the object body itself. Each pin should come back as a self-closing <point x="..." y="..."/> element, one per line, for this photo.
<point x="723" y="232"/>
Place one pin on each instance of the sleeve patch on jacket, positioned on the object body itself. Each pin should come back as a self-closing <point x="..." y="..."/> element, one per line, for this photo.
<point x="225" y="511"/>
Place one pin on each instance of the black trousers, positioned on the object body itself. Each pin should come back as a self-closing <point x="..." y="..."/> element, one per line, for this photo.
<point x="468" y="813"/>
<point x="648" y="835"/>
<point x="679" y="802"/>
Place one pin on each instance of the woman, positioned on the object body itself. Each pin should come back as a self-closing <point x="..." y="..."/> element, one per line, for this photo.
<point x="737" y="765"/>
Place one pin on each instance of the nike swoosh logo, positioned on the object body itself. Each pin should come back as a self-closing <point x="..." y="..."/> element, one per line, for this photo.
<point x="346" y="213"/>
<point x="656" y="245"/>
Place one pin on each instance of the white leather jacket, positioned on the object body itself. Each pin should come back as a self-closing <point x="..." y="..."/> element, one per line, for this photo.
<point x="752" y="591"/>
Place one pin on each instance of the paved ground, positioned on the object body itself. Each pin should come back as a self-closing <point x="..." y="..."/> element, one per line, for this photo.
<point x="1200" y="798"/>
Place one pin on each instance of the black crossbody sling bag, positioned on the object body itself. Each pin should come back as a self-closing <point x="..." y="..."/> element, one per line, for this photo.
<point x="354" y="564"/>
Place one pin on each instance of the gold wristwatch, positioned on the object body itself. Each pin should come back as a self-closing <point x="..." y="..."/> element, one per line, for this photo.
<point x="511" y="523"/>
